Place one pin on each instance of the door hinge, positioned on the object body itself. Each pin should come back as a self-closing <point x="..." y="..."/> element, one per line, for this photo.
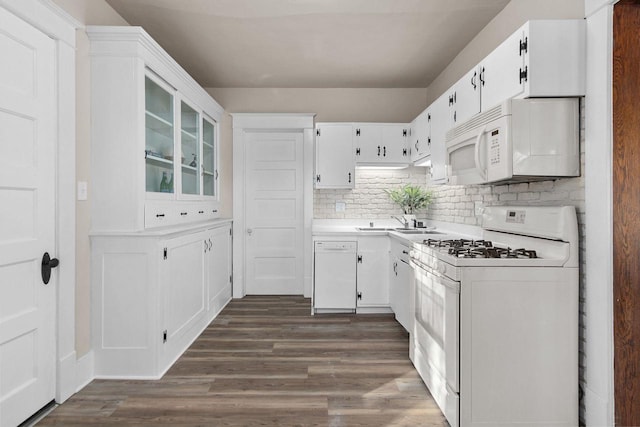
<point x="523" y="74"/>
<point x="404" y="132"/>
<point x="357" y="132"/>
<point x="360" y="259"/>
<point x="165" y="253"/>
<point x="359" y="295"/>
<point x="318" y="132"/>
<point x="164" y="336"/>
<point x="318" y="178"/>
<point x="524" y="45"/>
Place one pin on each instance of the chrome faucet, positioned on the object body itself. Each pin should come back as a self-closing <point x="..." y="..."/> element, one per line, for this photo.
<point x="402" y="220"/>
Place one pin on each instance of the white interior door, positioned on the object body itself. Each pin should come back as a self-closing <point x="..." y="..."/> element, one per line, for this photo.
<point x="27" y="219"/>
<point x="274" y="213"/>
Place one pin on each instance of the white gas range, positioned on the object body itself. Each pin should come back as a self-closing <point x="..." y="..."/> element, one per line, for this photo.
<point x="496" y="319"/>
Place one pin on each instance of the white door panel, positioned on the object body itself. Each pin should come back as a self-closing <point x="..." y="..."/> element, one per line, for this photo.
<point x="274" y="213"/>
<point x="27" y="219"/>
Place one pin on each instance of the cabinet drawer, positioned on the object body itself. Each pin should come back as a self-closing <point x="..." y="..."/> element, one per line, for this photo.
<point x="399" y="250"/>
<point x="159" y="215"/>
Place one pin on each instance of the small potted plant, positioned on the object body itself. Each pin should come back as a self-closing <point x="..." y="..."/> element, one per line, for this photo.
<point x="410" y="198"/>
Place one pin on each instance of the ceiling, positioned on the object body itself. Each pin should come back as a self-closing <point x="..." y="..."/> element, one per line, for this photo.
<point x="312" y="43"/>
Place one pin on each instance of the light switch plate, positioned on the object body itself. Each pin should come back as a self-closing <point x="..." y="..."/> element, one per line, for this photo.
<point x="82" y="190"/>
<point x="341" y="206"/>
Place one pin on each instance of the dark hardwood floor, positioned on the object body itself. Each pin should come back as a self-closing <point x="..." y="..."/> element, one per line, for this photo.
<point x="265" y="361"/>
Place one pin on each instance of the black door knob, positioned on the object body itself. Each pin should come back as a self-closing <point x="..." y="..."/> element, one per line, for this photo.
<point x="47" y="264"/>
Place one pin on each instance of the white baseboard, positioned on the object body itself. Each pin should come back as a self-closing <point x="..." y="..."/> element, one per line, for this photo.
<point x="65" y="384"/>
<point x="84" y="370"/>
<point x="374" y="310"/>
<point x="597" y="410"/>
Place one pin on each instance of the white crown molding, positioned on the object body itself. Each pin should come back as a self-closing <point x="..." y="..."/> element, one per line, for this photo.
<point x="103" y="38"/>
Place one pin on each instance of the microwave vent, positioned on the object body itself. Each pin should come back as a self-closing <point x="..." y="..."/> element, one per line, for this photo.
<point x="477" y="121"/>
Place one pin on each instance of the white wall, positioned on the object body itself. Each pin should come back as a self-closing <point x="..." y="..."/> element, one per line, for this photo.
<point x="598" y="378"/>
<point x="88" y="12"/>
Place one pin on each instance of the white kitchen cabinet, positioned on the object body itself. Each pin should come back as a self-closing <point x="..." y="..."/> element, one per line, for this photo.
<point x="543" y="58"/>
<point x="464" y="98"/>
<point x="373" y="272"/>
<point x="154" y="136"/>
<point x="153" y="293"/>
<point x="218" y="267"/>
<point x="400" y="280"/>
<point x="183" y="294"/>
<point x="440" y="124"/>
<point x="420" y="137"/>
<point x="380" y="144"/>
<point x="335" y="163"/>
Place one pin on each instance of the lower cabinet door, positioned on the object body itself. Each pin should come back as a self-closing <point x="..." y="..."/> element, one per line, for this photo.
<point x="404" y="312"/>
<point x="218" y="268"/>
<point x="372" y="271"/>
<point x="183" y="292"/>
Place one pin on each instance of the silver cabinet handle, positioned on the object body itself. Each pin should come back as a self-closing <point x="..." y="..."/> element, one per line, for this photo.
<point x="249" y="231"/>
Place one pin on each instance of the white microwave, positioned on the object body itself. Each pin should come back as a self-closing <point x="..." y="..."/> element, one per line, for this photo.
<point x="519" y="140"/>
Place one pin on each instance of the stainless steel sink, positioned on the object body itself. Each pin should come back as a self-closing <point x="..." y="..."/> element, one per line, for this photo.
<point x="415" y="231"/>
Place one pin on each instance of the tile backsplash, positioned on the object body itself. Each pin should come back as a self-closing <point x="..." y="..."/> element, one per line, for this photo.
<point x="368" y="199"/>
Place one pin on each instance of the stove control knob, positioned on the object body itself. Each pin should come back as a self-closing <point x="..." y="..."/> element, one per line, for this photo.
<point x="442" y="269"/>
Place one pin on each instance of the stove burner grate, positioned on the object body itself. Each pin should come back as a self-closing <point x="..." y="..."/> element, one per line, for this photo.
<point x="465" y="248"/>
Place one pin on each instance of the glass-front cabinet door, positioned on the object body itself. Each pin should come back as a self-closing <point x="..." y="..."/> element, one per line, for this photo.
<point x="209" y="170"/>
<point x="190" y="145"/>
<point x="159" y="138"/>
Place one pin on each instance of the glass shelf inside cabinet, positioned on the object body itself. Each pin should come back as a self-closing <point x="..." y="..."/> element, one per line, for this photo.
<point x="208" y="158"/>
<point x="190" y="144"/>
<point x="159" y="138"/>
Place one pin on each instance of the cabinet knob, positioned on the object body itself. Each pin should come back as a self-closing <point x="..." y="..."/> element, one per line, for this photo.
<point x="249" y="231"/>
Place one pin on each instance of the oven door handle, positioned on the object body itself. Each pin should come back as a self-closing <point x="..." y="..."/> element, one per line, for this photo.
<point x="444" y="281"/>
<point x="476" y="155"/>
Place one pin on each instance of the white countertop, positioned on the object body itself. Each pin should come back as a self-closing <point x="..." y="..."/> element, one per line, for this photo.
<point x="349" y="227"/>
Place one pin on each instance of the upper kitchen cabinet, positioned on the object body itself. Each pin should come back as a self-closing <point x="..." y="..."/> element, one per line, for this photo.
<point x="541" y="59"/>
<point x="419" y="139"/>
<point x="335" y="163"/>
<point x="154" y="136"/>
<point x="381" y="144"/>
<point x="441" y="122"/>
<point x="464" y="98"/>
